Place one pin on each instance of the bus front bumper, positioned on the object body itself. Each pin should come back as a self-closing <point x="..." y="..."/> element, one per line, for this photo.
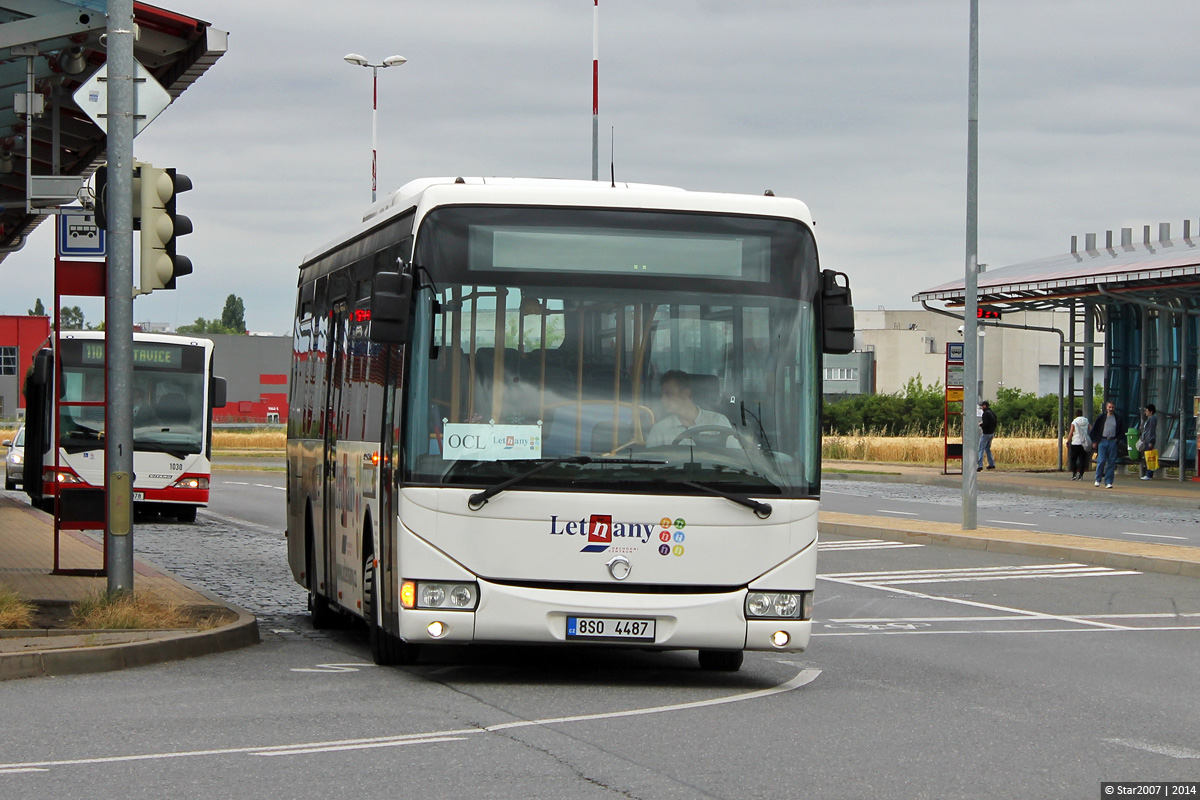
<point x="532" y="615"/>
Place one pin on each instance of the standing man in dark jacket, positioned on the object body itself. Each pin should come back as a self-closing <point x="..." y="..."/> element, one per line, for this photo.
<point x="1107" y="430"/>
<point x="987" y="431"/>
<point x="1148" y="438"/>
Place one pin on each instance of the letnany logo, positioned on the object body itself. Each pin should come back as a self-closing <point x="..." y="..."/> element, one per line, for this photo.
<point x="602" y="533"/>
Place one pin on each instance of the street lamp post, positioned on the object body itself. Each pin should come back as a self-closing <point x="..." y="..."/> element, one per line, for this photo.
<point x="390" y="61"/>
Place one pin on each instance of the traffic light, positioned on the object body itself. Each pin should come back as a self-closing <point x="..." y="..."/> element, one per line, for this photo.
<point x="161" y="227"/>
<point x="101" y="210"/>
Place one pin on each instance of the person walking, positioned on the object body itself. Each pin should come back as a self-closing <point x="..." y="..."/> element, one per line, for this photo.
<point x="1080" y="451"/>
<point x="987" y="431"/>
<point x="1148" y="438"/>
<point x="1107" y="430"/>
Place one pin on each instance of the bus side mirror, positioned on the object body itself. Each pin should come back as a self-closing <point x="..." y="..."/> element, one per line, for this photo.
<point x="391" y="298"/>
<point x="43" y="368"/>
<point x="837" y="313"/>
<point x="217" y="392"/>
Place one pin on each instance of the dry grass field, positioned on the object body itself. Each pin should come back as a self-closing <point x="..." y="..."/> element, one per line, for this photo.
<point x="1011" y="453"/>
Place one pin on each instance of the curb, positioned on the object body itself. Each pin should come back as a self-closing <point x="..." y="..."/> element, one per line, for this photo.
<point x="1161" y="558"/>
<point x="243" y="632"/>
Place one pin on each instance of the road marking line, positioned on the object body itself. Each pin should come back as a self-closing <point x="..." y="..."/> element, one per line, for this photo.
<point x="802" y="678"/>
<point x="975" y="604"/>
<point x="372" y="745"/>
<point x="1010" y="522"/>
<point x="902" y="513"/>
<point x="1153" y="535"/>
<point x="929" y="631"/>
<point x="1171" y="750"/>
<point x="894" y="577"/>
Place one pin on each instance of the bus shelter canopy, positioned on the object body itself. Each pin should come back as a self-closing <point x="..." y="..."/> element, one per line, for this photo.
<point x="1165" y="271"/>
<point x="62" y="38"/>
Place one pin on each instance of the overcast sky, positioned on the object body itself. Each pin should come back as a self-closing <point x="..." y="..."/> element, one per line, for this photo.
<point x="1089" y="115"/>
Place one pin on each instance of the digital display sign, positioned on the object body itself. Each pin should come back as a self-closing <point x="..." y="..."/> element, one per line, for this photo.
<point x="599" y="250"/>
<point x="144" y="355"/>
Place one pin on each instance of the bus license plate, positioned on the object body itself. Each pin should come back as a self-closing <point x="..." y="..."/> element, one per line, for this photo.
<point x="610" y="628"/>
<point x="139" y="497"/>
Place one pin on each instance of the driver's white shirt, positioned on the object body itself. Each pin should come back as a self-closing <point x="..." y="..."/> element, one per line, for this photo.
<point x="670" y="426"/>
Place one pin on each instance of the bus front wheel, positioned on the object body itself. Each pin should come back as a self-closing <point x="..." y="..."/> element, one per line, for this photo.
<point x="386" y="648"/>
<point x="721" y="660"/>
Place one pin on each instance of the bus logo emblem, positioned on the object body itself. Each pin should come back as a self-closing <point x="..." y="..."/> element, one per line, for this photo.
<point x="600" y="528"/>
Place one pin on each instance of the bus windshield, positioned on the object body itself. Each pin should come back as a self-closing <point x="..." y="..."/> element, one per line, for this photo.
<point x="168" y="397"/>
<point x="598" y="377"/>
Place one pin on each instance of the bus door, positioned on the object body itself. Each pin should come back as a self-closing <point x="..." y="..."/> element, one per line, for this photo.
<point x="335" y="475"/>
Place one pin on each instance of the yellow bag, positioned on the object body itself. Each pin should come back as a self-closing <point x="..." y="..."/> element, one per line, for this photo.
<point x="1151" y="459"/>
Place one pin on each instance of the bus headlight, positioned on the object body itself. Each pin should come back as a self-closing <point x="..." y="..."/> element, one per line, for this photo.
<point x="191" y="482"/>
<point x="453" y="596"/>
<point x="779" y="605"/>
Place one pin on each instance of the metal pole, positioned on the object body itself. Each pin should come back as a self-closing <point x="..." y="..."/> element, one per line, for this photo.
<point x="118" y="315"/>
<point x="374" y="121"/>
<point x="970" y="503"/>
<point x="595" y="90"/>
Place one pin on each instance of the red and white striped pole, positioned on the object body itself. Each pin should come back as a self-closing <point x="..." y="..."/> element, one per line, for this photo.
<point x="596" y="90"/>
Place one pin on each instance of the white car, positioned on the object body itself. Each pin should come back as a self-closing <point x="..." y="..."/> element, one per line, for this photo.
<point x="14" y="462"/>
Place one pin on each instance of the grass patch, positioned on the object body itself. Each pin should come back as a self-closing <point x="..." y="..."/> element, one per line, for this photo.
<point x="14" y="612"/>
<point x="137" y="611"/>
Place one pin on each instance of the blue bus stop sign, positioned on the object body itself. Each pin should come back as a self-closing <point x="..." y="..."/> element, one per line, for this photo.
<point x="79" y="235"/>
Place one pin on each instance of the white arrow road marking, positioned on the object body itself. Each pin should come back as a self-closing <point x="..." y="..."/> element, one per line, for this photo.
<point x="804" y="677"/>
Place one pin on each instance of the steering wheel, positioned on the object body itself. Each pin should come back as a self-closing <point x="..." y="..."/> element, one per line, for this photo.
<point x="713" y="436"/>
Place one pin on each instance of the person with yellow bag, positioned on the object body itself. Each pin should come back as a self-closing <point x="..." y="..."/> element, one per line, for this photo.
<point x="1147" y="441"/>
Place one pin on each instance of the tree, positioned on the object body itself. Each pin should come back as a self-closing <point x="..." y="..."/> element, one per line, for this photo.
<point x="38" y="309"/>
<point x="71" y="318"/>
<point x="202" y="325"/>
<point x="234" y="316"/>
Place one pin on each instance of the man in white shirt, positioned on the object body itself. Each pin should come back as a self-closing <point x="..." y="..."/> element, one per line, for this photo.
<point x="682" y="413"/>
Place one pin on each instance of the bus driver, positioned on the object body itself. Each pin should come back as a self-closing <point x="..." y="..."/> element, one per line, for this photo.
<point x="682" y="413"/>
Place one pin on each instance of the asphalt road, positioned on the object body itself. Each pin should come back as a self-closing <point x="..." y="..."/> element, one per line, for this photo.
<point x="933" y="673"/>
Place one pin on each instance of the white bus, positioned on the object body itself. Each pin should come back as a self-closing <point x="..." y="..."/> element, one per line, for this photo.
<point x="563" y="412"/>
<point x="174" y="393"/>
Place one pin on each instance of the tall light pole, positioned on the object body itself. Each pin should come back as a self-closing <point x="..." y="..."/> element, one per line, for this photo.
<point x="390" y="61"/>
<point x="971" y="396"/>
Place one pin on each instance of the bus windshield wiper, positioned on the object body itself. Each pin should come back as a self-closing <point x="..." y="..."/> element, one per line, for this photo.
<point x="761" y="510"/>
<point x="479" y="499"/>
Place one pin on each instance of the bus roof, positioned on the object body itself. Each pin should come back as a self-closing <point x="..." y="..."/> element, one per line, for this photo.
<point x="150" y="338"/>
<point x="426" y="194"/>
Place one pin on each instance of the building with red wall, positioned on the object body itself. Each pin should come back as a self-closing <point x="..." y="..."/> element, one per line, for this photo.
<point x="20" y="338"/>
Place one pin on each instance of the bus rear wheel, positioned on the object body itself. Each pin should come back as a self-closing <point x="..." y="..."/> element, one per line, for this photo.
<point x="386" y="648"/>
<point x="721" y="660"/>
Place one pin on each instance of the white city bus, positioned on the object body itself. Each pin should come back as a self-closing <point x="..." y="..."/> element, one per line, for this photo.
<point x="482" y="446"/>
<point x="174" y="393"/>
